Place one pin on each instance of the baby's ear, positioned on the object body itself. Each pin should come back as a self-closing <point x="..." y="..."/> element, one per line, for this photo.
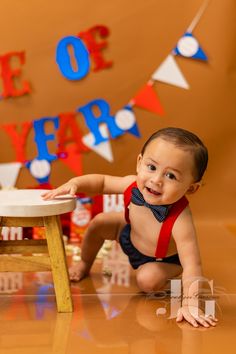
<point x="139" y="159"/>
<point x="193" y="187"/>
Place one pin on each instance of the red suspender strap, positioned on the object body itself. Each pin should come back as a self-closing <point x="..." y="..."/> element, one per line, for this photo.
<point x="127" y="198"/>
<point x="165" y="233"/>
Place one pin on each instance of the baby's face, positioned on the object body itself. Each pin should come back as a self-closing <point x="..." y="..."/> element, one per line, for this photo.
<point x="165" y="173"/>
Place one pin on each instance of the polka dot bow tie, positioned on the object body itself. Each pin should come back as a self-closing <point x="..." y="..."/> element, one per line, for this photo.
<point x="159" y="211"/>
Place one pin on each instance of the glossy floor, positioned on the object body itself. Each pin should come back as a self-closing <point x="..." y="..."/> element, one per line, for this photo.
<point x="112" y="316"/>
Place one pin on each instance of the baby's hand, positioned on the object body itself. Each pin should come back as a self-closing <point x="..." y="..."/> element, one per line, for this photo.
<point x="194" y="320"/>
<point x="68" y="188"/>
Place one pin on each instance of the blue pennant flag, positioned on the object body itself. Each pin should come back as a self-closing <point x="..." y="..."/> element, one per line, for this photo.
<point x="189" y="47"/>
<point x="126" y="120"/>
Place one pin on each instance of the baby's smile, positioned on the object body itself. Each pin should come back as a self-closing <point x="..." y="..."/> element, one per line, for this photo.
<point x="152" y="191"/>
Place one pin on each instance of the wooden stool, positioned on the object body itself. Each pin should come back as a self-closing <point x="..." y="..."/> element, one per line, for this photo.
<point x="27" y="208"/>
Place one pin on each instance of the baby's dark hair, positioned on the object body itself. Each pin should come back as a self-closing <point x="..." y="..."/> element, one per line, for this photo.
<point x="186" y="140"/>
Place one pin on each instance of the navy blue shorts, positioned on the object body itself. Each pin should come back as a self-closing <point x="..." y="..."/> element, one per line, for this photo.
<point x="137" y="258"/>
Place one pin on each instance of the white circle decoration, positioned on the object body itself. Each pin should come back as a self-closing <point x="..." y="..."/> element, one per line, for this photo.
<point x="40" y="168"/>
<point x="188" y="46"/>
<point x="125" y="119"/>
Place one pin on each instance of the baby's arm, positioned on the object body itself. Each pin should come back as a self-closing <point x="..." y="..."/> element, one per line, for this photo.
<point x="188" y="250"/>
<point x="91" y="184"/>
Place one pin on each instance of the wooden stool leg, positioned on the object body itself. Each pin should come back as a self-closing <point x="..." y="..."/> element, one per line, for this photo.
<point x="57" y="255"/>
<point x="1" y="228"/>
<point x="62" y="333"/>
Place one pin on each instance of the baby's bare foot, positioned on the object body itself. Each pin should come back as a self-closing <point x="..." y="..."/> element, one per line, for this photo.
<point x="79" y="271"/>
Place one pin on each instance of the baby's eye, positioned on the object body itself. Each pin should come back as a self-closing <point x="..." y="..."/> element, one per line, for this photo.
<point x="151" y="167"/>
<point x="170" y="175"/>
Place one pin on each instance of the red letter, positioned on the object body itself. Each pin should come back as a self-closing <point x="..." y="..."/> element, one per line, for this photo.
<point x="18" y="140"/>
<point x="8" y="74"/>
<point x="95" y="48"/>
<point x="74" y="142"/>
<point x="67" y="121"/>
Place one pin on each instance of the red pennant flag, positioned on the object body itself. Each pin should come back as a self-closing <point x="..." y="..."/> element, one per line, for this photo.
<point x="147" y="98"/>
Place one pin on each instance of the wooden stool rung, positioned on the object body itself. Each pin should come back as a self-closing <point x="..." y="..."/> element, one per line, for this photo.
<point x="24" y="264"/>
<point x="21" y="221"/>
<point x="23" y="247"/>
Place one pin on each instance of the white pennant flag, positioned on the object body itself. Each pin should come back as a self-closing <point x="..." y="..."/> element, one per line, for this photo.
<point x="9" y="173"/>
<point x="103" y="149"/>
<point x="170" y="73"/>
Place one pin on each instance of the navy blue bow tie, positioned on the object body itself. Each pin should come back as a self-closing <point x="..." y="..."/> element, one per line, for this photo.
<point x="159" y="211"/>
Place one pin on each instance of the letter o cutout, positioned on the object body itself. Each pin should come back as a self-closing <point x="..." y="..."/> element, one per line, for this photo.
<point x="81" y="55"/>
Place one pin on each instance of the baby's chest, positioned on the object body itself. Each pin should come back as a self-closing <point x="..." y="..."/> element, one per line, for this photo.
<point x="145" y="231"/>
<point x="144" y="224"/>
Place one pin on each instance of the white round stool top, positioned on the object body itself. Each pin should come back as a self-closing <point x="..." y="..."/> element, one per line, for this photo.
<point x="29" y="203"/>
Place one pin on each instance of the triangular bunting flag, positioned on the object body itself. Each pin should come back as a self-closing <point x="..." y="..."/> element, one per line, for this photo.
<point x="125" y="119"/>
<point x="103" y="149"/>
<point x="9" y="173"/>
<point x="147" y="98"/>
<point x="39" y="169"/>
<point x="134" y="130"/>
<point x="170" y="73"/>
<point x="188" y="47"/>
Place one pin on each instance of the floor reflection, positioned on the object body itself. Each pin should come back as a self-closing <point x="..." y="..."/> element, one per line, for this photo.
<point x="110" y="314"/>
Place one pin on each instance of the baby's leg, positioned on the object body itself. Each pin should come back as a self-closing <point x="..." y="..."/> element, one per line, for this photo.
<point x="154" y="276"/>
<point x="104" y="226"/>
